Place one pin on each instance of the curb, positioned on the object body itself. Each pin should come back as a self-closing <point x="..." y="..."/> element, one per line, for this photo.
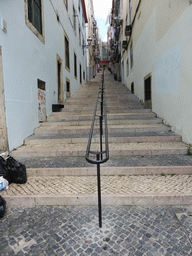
<point x="89" y="200"/>
<point x="105" y="171"/>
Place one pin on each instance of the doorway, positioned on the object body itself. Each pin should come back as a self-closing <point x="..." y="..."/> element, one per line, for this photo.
<point x="132" y="88"/>
<point x="60" y="93"/>
<point x="68" y="89"/>
<point x="147" y="92"/>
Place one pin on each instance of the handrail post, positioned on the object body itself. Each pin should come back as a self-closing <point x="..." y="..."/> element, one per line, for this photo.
<point x="99" y="192"/>
<point x="101" y="134"/>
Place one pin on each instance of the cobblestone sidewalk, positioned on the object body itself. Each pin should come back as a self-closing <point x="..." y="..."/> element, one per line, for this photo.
<point x="117" y="184"/>
<point x="126" y="231"/>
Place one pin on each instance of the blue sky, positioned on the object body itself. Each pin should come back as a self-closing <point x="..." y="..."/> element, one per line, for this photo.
<point x="101" y="10"/>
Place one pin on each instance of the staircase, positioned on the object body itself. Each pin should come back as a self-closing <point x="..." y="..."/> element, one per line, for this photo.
<point x="148" y="162"/>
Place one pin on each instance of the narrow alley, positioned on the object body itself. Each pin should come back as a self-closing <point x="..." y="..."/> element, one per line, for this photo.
<point x="55" y="155"/>
<point x="146" y="184"/>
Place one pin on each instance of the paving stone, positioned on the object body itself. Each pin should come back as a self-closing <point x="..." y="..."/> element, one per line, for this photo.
<point x="119" y="239"/>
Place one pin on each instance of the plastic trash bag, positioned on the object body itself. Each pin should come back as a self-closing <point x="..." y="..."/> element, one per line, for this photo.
<point x="2" y="206"/>
<point x="17" y="171"/>
<point x="4" y="169"/>
<point x="3" y="184"/>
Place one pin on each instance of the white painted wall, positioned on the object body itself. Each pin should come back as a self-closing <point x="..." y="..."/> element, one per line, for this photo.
<point x="26" y="59"/>
<point x="169" y="62"/>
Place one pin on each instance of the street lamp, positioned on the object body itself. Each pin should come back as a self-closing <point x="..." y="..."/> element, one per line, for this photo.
<point x="89" y="40"/>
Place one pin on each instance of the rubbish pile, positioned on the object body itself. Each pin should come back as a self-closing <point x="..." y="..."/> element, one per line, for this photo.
<point x="11" y="171"/>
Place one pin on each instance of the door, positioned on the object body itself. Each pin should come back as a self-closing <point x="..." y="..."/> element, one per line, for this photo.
<point x="60" y="93"/>
<point x="68" y="89"/>
<point x="147" y="89"/>
<point x="123" y="82"/>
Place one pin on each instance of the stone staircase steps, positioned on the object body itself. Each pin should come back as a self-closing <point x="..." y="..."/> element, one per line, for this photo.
<point x="111" y="129"/>
<point x="63" y="116"/>
<point x="116" y="149"/>
<point x="147" y="165"/>
<point x="110" y="122"/>
<point x="80" y="187"/>
<point x="50" y="141"/>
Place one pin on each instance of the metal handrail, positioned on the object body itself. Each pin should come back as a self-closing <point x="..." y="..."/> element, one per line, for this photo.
<point x="101" y="98"/>
<point x="99" y="154"/>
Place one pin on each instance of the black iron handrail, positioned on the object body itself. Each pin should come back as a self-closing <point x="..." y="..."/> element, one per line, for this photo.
<point x="100" y="153"/>
<point x="101" y="98"/>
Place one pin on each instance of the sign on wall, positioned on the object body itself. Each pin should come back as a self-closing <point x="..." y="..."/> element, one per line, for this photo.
<point x="42" y="105"/>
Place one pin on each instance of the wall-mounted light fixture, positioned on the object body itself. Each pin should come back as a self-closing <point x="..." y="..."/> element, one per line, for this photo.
<point x="89" y="40"/>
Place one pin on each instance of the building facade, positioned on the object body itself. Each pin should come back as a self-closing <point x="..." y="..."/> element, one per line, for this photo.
<point x="156" y="55"/>
<point x="92" y="32"/>
<point x="42" y="62"/>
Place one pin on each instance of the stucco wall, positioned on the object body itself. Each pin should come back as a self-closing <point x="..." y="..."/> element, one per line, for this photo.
<point x="26" y="58"/>
<point x="162" y="47"/>
<point x="3" y="128"/>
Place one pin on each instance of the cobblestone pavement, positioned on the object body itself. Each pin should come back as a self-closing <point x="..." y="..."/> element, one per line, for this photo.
<point x="127" y="230"/>
<point x="116" y="184"/>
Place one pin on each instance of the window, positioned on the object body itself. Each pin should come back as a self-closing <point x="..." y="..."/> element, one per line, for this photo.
<point x="83" y="75"/>
<point x="80" y="75"/>
<point x="67" y="61"/>
<point x="35" y="14"/>
<point x="79" y="35"/>
<point x="75" y="65"/>
<point x="131" y="54"/>
<point x="130" y="12"/>
<point x="83" y="48"/>
<point x="66" y="4"/>
<point x="79" y="6"/>
<point x="74" y="19"/>
<point x="34" y="17"/>
<point x="127" y="67"/>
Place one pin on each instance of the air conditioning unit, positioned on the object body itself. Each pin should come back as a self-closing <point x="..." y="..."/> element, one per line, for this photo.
<point x="128" y="30"/>
<point x="124" y="45"/>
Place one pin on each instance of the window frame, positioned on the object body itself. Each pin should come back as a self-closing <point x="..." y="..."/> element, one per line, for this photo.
<point x="80" y="73"/>
<point x="131" y="55"/>
<point x="31" y="25"/>
<point x="79" y="35"/>
<point x="127" y="67"/>
<point x="66" y="3"/>
<point x="67" y="53"/>
<point x="74" y="20"/>
<point x="75" y="65"/>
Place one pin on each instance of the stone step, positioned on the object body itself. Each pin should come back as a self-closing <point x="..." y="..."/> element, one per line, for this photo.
<point x="110" y="171"/>
<point x="51" y="141"/>
<point x="116" y="162"/>
<point x="111" y="129"/>
<point x="116" y="149"/>
<point x="62" y="116"/>
<point x="90" y="111"/>
<point x="115" y="190"/>
<point x="109" y="122"/>
<point x="110" y="109"/>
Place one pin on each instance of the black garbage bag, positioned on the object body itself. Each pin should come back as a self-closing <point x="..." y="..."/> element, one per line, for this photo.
<point x="4" y="169"/>
<point x="17" y="171"/>
<point x="2" y="206"/>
